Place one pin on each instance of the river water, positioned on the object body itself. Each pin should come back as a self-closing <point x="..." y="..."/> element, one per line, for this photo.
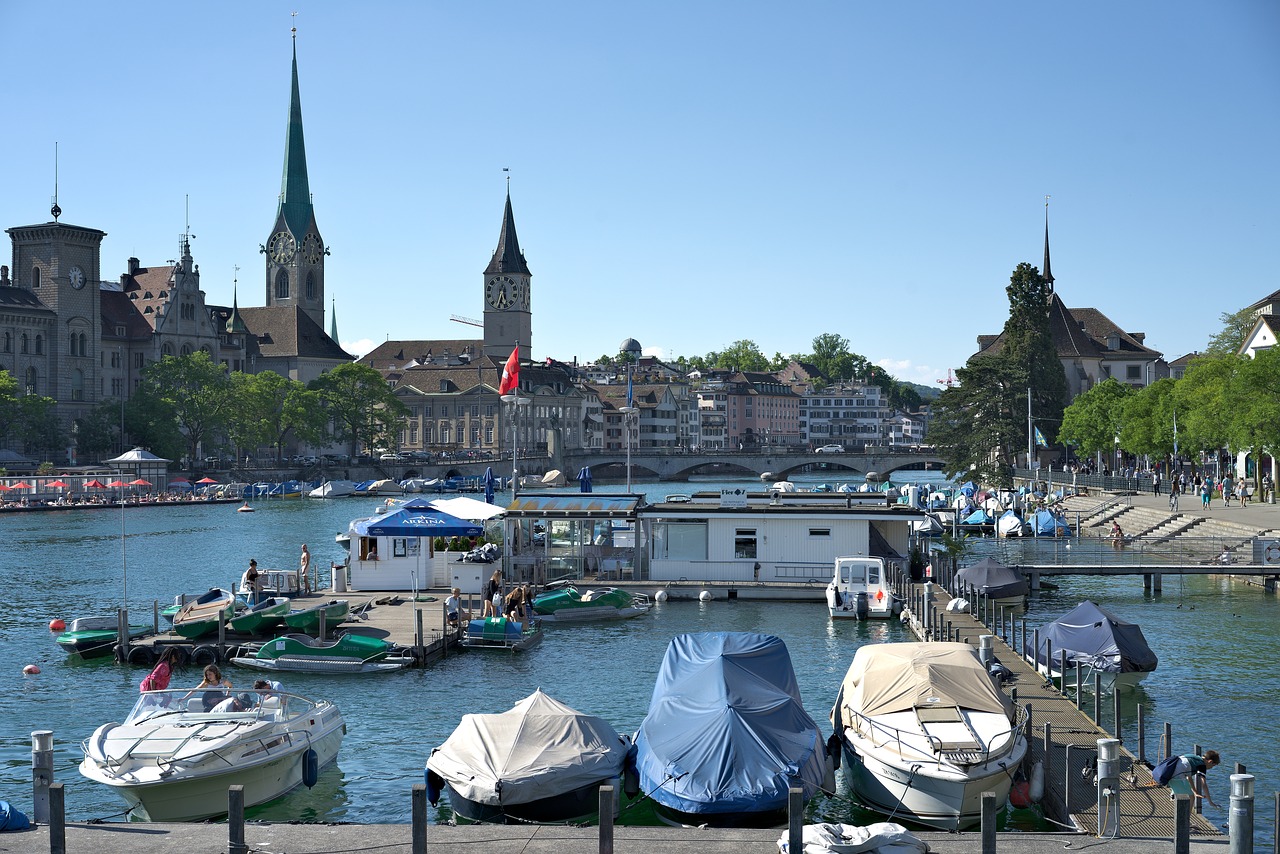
<point x="1215" y="638"/>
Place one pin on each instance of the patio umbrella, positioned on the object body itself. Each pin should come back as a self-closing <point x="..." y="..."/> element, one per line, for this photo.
<point x="117" y="484"/>
<point x="488" y="481"/>
<point x="22" y="484"/>
<point x="139" y="482"/>
<point x="95" y="484"/>
<point x="179" y="480"/>
<point x="206" y="480"/>
<point x="584" y="479"/>
<point x="4" y="488"/>
<point x="56" y="484"/>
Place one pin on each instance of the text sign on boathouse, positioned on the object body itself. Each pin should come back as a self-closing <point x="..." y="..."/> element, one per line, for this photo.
<point x="733" y="497"/>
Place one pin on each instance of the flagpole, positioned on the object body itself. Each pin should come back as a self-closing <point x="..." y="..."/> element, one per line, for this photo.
<point x="1030" y="437"/>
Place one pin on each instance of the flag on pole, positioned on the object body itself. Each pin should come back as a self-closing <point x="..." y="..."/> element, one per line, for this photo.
<point x="1040" y="442"/>
<point x="628" y="385"/>
<point x="510" y="372"/>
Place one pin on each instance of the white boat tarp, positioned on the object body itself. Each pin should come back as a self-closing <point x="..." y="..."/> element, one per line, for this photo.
<point x="898" y="677"/>
<point x="538" y="749"/>
<point x="882" y="837"/>
<point x="468" y="508"/>
<point x="555" y="477"/>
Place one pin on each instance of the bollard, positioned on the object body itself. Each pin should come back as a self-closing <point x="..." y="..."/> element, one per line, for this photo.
<point x="235" y="820"/>
<point x="1035" y="654"/>
<point x="1182" y="824"/>
<point x="419" y="640"/>
<point x="1108" y="787"/>
<point x="418" y="801"/>
<point x="57" y="820"/>
<point x="795" y="817"/>
<point x="606" y="819"/>
<point x="988" y="823"/>
<point x="41" y="773"/>
<point x="1240" y="824"/>
<point x="986" y="650"/>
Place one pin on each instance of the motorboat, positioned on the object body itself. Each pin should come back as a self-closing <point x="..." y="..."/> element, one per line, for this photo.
<point x="1100" y="642"/>
<point x="201" y="616"/>
<point x="567" y="605"/>
<point x="176" y="753"/>
<point x="96" y="637"/>
<point x="333" y="489"/>
<point x="275" y="583"/>
<point x="502" y="633"/>
<point x="924" y="732"/>
<point x="348" y="653"/>
<point x="1006" y="586"/>
<point x="267" y="614"/>
<point x="1010" y="524"/>
<point x="540" y="762"/>
<point x="726" y="734"/>
<point x="1046" y="524"/>
<point x="308" y="619"/>
<point x="859" y="590"/>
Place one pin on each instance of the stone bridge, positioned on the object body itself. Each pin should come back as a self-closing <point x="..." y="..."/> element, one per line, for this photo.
<point x="781" y="464"/>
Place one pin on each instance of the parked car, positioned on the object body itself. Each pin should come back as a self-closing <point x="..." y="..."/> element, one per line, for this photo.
<point x="830" y="449"/>
<point x="389" y="457"/>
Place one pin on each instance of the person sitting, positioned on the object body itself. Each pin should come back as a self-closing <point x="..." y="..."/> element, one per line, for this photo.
<point x="452" y="607"/>
<point x="213" y="679"/>
<point x="514" y="606"/>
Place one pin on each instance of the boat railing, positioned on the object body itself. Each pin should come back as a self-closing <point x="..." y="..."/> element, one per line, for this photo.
<point x="908" y="742"/>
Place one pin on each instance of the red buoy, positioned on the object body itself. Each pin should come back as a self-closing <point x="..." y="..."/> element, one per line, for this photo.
<point x="57" y="625"/>
<point x="1020" y="794"/>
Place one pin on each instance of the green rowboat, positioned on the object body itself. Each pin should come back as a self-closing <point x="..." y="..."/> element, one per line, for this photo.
<point x="308" y="619"/>
<point x="267" y="614"/>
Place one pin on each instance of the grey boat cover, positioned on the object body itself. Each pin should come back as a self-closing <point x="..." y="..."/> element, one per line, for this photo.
<point x="539" y="749"/>
<point x="899" y="677"/>
<point x="1097" y="638"/>
<point x="991" y="578"/>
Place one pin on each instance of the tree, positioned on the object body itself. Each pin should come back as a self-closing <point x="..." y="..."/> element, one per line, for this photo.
<point x="974" y="423"/>
<point x="831" y="356"/>
<point x="270" y="408"/>
<point x="1202" y="395"/>
<point x="197" y="390"/>
<point x="98" y="431"/>
<point x="39" y="427"/>
<point x="1235" y="326"/>
<point x="1094" y="418"/>
<point x="149" y="422"/>
<point x="741" y="355"/>
<point x="1029" y="348"/>
<point x="360" y="403"/>
<point x="1252" y="396"/>
<point x="1147" y="420"/>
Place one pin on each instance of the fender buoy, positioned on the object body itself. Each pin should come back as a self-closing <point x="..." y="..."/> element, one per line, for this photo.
<point x="833" y="751"/>
<point x="31" y="670"/>
<point x="1036" y="791"/>
<point x="142" y="656"/>
<point x="57" y="625"/>
<point x="310" y="768"/>
<point x="879" y="595"/>
<point x="203" y="655"/>
<point x="435" y="786"/>
<point x="630" y="779"/>
<point x="704" y="596"/>
<point x="1020" y="794"/>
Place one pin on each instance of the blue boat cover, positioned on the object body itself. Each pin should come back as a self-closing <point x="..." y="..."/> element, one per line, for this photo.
<point x="1098" y="639"/>
<point x="1048" y="525"/>
<point x="978" y="517"/>
<point x="726" y="731"/>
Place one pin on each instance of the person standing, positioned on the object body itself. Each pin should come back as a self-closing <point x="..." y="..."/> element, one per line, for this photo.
<point x="158" y="678"/>
<point x="493" y="595"/>
<point x="253" y="579"/>
<point x="1174" y="489"/>
<point x="304" y="570"/>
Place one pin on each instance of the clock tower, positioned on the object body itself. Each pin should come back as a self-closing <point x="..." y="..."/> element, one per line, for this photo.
<point x="294" y="250"/>
<point x="508" y="318"/>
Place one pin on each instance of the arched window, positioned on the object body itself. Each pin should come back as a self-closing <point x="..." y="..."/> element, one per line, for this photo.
<point x="77" y="384"/>
<point x="282" y="285"/>
<point x="166" y="349"/>
<point x="186" y="349"/>
<point x="84" y="344"/>
<point x="31" y="381"/>
<point x="24" y="349"/>
<point x="39" y="345"/>
<point x="35" y="277"/>
<point x="311" y="286"/>
<point x="8" y="342"/>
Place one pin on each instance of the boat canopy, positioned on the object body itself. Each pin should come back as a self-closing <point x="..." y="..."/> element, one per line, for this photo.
<point x="726" y="728"/>
<point x="1048" y="525"/>
<point x="899" y="677"/>
<point x="1099" y="639"/>
<point x="539" y="742"/>
<point x="991" y="578"/>
<point x="416" y="522"/>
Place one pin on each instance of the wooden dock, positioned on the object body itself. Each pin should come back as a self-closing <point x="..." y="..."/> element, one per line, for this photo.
<point x="1062" y="737"/>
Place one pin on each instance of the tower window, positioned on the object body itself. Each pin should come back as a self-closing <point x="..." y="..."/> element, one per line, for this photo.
<point x="24" y="345"/>
<point x="39" y="345"/>
<point x="31" y="381"/>
<point x="282" y="285"/>
<point x="35" y="277"/>
<point x="311" y="286"/>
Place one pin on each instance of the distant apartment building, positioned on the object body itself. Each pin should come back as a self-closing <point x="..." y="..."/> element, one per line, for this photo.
<point x="853" y="415"/>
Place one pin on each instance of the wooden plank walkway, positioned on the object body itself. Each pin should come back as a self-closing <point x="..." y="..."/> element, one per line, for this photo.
<point x="1145" y="810"/>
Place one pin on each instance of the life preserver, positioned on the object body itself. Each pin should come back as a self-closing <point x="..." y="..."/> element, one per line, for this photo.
<point x="879" y="595"/>
<point x="142" y="656"/>
<point x="203" y="655"/>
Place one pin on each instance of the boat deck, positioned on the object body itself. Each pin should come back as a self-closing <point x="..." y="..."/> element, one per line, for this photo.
<point x="1071" y="742"/>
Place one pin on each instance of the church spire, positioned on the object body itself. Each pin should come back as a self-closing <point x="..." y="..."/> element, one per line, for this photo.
<point x="295" y="191"/>
<point x="508" y="258"/>
<point x="235" y="323"/>
<point x="1046" y="272"/>
<point x="333" y="321"/>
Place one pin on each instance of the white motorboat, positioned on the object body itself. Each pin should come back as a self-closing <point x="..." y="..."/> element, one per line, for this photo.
<point x="333" y="489"/>
<point x="858" y="590"/>
<point x="177" y="751"/>
<point x="924" y="732"/>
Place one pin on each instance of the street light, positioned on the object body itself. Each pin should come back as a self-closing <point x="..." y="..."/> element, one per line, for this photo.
<point x="630" y="414"/>
<point x="516" y="401"/>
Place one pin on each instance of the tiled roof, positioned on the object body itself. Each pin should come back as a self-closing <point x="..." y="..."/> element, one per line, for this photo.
<point x="21" y="298"/>
<point x="118" y="310"/>
<point x="148" y="289"/>
<point x="391" y="355"/>
<point x="289" y="331"/>
<point x="1079" y="333"/>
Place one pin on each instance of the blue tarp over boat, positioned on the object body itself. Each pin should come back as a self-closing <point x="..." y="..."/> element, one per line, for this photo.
<point x="1045" y="524"/>
<point x="978" y="517"/>
<point x="991" y="578"/>
<point x="726" y="729"/>
<point x="1098" y="639"/>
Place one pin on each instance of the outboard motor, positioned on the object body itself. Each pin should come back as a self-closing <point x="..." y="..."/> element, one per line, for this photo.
<point x="863" y="607"/>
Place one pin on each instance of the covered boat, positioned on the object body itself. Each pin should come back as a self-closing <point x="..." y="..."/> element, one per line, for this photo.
<point x="1100" y="642"/>
<point x="567" y="605"/>
<point x="542" y="761"/>
<point x="308" y="619"/>
<point x="1010" y="524"/>
<point x="175" y="754"/>
<point x="348" y="653"/>
<point x="333" y="489"/>
<point x="1045" y="524"/>
<point x="726" y="733"/>
<point x="860" y="591"/>
<point x="925" y="732"/>
<point x="201" y="616"/>
<point x="1004" y="584"/>
<point x="95" y="637"/>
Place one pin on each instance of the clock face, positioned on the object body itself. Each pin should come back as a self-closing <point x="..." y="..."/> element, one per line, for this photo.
<point x="282" y="247"/>
<point x="519" y="294"/>
<point x="312" y="249"/>
<point x="499" y="292"/>
<point x="77" y="277"/>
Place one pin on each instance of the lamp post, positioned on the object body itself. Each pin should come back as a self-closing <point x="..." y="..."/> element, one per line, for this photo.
<point x="516" y="402"/>
<point x="630" y="414"/>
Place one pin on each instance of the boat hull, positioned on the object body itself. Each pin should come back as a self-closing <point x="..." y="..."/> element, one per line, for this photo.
<point x="308" y="620"/>
<point x="96" y="643"/>
<point x="578" y="805"/>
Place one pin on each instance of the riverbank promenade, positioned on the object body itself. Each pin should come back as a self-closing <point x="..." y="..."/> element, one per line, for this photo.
<point x="518" y="839"/>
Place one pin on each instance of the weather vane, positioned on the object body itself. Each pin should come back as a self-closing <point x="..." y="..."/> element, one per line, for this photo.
<point x="294" y="28"/>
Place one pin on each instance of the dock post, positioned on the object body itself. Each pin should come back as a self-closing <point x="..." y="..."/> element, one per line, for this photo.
<point x="1157" y="583"/>
<point x="1047" y="749"/>
<point x="986" y="650"/>
<point x="122" y="633"/>
<point x="41" y="773"/>
<point x="1108" y="787"/>
<point x="1142" y="734"/>
<point x="235" y="820"/>
<point x="988" y="823"/>
<point x="1034" y="661"/>
<point x="1079" y="681"/>
<point x="419" y="818"/>
<point x="1241" y="822"/>
<point x="324" y="624"/>
<point x="606" y="819"/>
<point x="155" y="615"/>
<point x="1196" y="803"/>
<point x="418" y="640"/>
<point x="57" y="819"/>
<point x="795" y="817"/>
<point x="1097" y="698"/>
<point x="1181" y="824"/>
<point x="1115" y="713"/>
<point x="1146" y="582"/>
<point x="1166" y="742"/>
<point x="222" y="636"/>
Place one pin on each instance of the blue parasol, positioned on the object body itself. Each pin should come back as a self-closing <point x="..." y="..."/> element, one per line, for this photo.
<point x="584" y="479"/>
<point x="488" y="480"/>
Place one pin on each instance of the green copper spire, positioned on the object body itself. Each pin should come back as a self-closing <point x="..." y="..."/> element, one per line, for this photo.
<point x="333" y="321"/>
<point x="295" y="192"/>
<point x="235" y="323"/>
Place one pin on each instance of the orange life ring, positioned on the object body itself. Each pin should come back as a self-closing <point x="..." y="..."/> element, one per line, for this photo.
<point x="879" y="595"/>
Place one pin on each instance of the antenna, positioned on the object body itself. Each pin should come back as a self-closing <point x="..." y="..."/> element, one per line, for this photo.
<point x="508" y="171"/>
<point x="949" y="381"/>
<point x="55" y="210"/>
<point x="294" y="28"/>
<point x="470" y="321"/>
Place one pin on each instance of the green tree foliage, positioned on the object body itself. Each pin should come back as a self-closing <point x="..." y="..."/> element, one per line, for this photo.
<point x="741" y="355"/>
<point x="1202" y="395"/>
<point x="1235" y="326"/>
<point x="1028" y="347"/>
<point x="1095" y="417"/>
<point x="41" y="431"/>
<point x="150" y="423"/>
<point x="197" y="391"/>
<point x="270" y="409"/>
<point x="831" y="356"/>
<point x="98" y="431"/>
<point x="1147" y="420"/>
<point x="360" y="403"/>
<point x="1252" y="399"/>
<point x="975" y="422"/>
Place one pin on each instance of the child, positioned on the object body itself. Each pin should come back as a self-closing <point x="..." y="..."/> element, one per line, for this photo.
<point x="452" y="606"/>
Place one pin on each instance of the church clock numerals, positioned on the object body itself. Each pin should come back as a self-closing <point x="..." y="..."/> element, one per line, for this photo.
<point x="282" y="247"/>
<point x="312" y="249"/>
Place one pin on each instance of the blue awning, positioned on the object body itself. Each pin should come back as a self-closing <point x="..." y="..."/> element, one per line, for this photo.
<point x="417" y="522"/>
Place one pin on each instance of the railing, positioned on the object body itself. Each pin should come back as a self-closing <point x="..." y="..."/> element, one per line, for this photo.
<point x="1135" y="551"/>
<point x="903" y="738"/>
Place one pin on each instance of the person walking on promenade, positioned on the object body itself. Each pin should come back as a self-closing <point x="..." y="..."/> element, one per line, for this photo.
<point x="1173" y="495"/>
<point x="1206" y="493"/>
<point x="1155" y="483"/>
<point x="1226" y="486"/>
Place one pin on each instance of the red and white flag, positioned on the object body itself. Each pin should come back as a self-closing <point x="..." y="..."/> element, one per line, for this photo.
<point x="510" y="372"/>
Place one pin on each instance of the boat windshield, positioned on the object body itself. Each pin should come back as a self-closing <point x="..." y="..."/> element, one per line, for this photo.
<point x="220" y="702"/>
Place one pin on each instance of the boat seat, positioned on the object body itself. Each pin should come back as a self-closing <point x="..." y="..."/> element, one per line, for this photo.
<point x="947" y="729"/>
<point x="195" y="704"/>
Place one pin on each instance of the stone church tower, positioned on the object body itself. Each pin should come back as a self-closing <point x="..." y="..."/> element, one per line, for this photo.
<point x="508" y="311"/>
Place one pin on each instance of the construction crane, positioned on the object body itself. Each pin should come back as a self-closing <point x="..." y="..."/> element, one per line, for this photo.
<point x="949" y="381"/>
<point x="471" y="321"/>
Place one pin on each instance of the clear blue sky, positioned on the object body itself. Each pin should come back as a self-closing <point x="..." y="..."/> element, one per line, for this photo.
<point x="687" y="174"/>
